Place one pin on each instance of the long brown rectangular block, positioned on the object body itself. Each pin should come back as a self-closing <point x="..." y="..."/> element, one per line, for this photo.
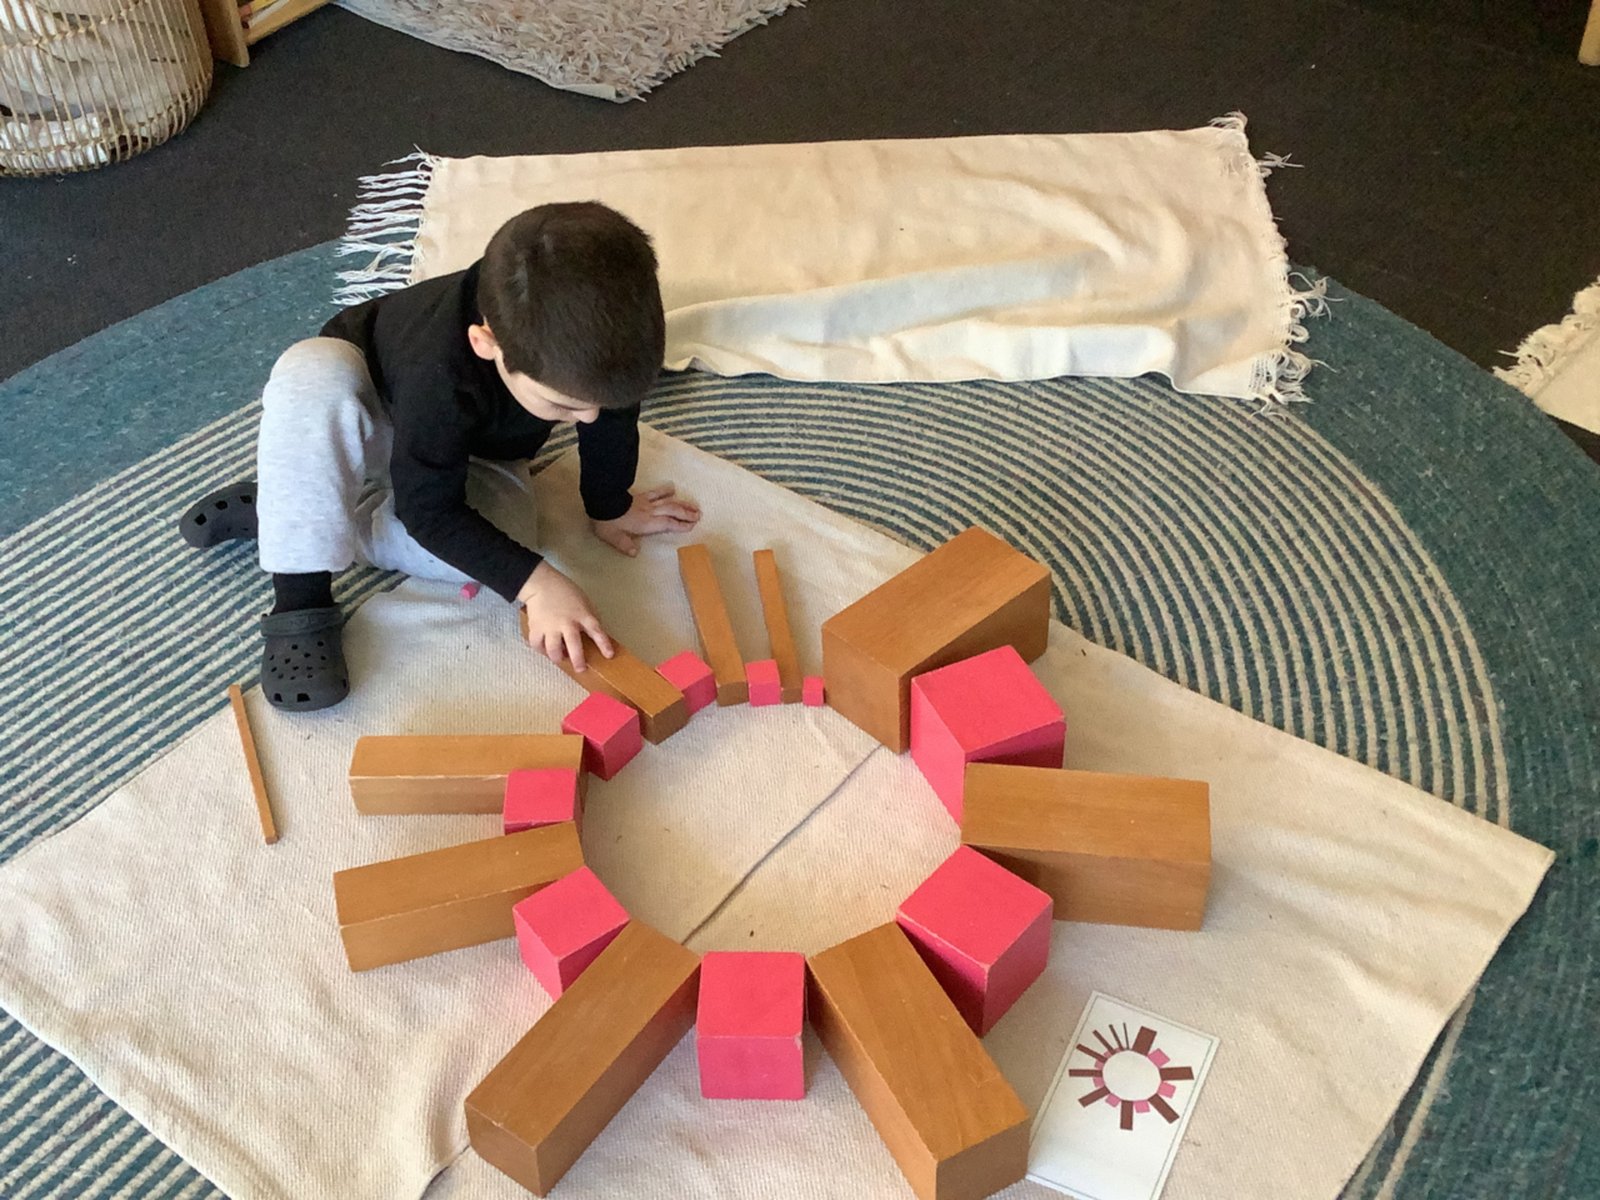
<point x="446" y="899"/>
<point x="972" y="594"/>
<point x="549" y="1098"/>
<point x="775" y="613"/>
<point x="718" y="644"/>
<point x="449" y="773"/>
<point x="949" y="1118"/>
<point x="1112" y="849"/>
<point x="627" y="677"/>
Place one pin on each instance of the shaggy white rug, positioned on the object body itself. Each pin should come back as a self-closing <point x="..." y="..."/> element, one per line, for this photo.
<point x="614" y="49"/>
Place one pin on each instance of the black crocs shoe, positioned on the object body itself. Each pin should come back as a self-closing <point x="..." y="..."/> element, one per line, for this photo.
<point x="302" y="662"/>
<point x="223" y="516"/>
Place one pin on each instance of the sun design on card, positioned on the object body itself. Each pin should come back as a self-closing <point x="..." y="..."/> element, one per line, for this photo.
<point x="1130" y="1074"/>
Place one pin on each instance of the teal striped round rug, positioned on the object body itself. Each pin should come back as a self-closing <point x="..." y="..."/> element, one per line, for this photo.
<point x="1403" y="571"/>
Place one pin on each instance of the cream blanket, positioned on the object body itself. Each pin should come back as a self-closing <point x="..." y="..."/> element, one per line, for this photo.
<point x="1018" y="257"/>
<point x="196" y="974"/>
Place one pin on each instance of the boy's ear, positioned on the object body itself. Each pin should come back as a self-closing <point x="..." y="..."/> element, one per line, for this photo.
<point x="482" y="340"/>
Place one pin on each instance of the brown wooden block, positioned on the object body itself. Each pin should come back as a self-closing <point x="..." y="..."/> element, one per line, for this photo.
<point x="446" y="899"/>
<point x="947" y="1115"/>
<point x="779" y="636"/>
<point x="1112" y="849"/>
<point x="718" y="645"/>
<point x="252" y="763"/>
<point x="972" y="594"/>
<point x="450" y="773"/>
<point x="549" y="1098"/>
<point x="627" y="677"/>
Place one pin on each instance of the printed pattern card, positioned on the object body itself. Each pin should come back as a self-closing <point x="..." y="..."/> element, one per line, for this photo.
<point x="1113" y="1120"/>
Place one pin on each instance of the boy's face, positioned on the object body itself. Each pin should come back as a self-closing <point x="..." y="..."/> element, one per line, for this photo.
<point x="543" y="402"/>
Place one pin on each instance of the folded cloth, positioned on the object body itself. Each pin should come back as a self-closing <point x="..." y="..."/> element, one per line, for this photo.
<point x="1015" y="257"/>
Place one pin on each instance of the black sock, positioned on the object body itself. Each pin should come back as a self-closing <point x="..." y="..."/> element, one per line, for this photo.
<point x="295" y="592"/>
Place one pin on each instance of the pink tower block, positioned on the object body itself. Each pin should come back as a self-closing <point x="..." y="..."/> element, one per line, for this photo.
<point x="747" y="1033"/>
<point x="989" y="708"/>
<point x="813" y="692"/>
<point x="562" y="928"/>
<point x="984" y="933"/>
<point x="690" y="675"/>
<point x="546" y="796"/>
<point x="766" y="686"/>
<point x="611" y="733"/>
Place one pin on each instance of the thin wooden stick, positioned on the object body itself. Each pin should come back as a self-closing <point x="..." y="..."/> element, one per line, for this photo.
<point x="247" y="740"/>
<point x="779" y="635"/>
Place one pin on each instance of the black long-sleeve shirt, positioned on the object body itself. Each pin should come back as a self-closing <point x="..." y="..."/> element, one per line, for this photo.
<point x="447" y="404"/>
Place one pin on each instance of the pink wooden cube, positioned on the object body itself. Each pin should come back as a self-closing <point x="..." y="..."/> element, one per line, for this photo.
<point x="984" y="933"/>
<point x="546" y="796"/>
<point x="812" y="691"/>
<point x="747" y="1033"/>
<point x="611" y="733"/>
<point x="562" y="928"/>
<point x="689" y="673"/>
<point x="989" y="708"/>
<point x="766" y="686"/>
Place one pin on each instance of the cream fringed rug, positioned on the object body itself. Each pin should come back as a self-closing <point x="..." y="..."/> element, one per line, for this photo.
<point x="1558" y="366"/>
<point x="196" y="975"/>
<point x="614" y="49"/>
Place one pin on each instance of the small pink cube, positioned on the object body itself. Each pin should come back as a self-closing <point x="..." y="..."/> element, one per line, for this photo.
<point x="690" y="675"/>
<point x="747" y="1033"/>
<point x="812" y="692"/>
<point x="611" y="733"/>
<point x="989" y="708"/>
<point x="984" y="933"/>
<point x="546" y="796"/>
<point x="562" y="928"/>
<point x="766" y="687"/>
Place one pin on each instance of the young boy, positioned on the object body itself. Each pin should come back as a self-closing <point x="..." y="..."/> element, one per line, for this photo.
<point x="393" y="437"/>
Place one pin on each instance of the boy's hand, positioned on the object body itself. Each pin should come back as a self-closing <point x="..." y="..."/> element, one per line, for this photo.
<point x="559" y="614"/>
<point x="654" y="510"/>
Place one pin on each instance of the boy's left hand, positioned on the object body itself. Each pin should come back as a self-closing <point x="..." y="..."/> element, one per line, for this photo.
<point x="654" y="510"/>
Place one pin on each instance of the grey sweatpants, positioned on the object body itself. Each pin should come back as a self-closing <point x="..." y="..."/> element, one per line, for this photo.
<point x="323" y="496"/>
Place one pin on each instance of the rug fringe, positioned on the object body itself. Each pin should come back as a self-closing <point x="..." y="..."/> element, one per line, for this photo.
<point x="1539" y="355"/>
<point x="384" y="224"/>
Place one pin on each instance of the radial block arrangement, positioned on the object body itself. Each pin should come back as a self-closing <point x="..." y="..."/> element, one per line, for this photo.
<point x="984" y="933"/>
<point x="424" y="904"/>
<point x="537" y="1111"/>
<point x="610" y="732"/>
<point x="972" y="594"/>
<point x="1112" y="849"/>
<point x="751" y="1017"/>
<point x="562" y="928"/>
<point x="450" y="773"/>
<point x="542" y="797"/>
<point x="689" y="673"/>
<point x="952" y="1122"/>
<point x="988" y="708"/>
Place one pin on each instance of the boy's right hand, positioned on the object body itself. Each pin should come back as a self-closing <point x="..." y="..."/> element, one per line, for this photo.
<point x="559" y="614"/>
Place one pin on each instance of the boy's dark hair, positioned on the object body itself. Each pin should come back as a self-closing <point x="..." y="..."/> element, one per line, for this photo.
<point x="570" y="294"/>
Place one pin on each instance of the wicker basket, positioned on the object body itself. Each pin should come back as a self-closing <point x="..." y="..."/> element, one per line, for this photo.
<point x="89" y="82"/>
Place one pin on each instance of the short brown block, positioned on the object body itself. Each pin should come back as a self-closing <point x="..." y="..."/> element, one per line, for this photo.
<point x="972" y="594"/>
<point x="952" y="1122"/>
<point x="1112" y="849"/>
<point x="775" y="612"/>
<point x="549" y="1098"/>
<point x="446" y="899"/>
<point x="627" y="677"/>
<point x="718" y="645"/>
<point x="415" y="773"/>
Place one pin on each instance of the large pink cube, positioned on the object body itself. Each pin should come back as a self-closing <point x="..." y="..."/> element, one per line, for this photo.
<point x="562" y="928"/>
<point x="747" y="1034"/>
<point x="611" y="733"/>
<point x="989" y="708"/>
<point x="766" y="686"/>
<point x="542" y="796"/>
<point x="984" y="933"/>
<point x="689" y="673"/>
